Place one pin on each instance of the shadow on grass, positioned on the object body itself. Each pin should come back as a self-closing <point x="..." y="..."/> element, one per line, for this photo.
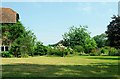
<point x="103" y="58"/>
<point x="36" y="70"/>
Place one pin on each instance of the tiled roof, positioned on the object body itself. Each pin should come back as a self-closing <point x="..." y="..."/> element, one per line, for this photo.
<point x="8" y="15"/>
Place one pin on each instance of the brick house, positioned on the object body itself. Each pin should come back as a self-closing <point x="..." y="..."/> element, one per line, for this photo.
<point x="7" y="15"/>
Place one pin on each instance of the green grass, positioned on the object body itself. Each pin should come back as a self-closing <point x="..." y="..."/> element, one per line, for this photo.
<point x="77" y="66"/>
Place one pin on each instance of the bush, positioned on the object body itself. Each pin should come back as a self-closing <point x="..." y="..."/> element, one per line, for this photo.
<point x="78" y="48"/>
<point x="24" y="55"/>
<point x="104" y="51"/>
<point x="118" y="52"/>
<point x="61" y="53"/>
<point x="6" y="54"/>
<point x="40" y="49"/>
<point x="50" y="51"/>
<point x="95" y="52"/>
<point x="112" y="51"/>
<point x="58" y="51"/>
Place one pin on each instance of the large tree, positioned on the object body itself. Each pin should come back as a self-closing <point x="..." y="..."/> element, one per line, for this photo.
<point x="76" y="36"/>
<point x="79" y="36"/>
<point x="113" y="32"/>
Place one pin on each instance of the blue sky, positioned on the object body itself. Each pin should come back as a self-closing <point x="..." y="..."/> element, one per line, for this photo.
<point x="50" y="20"/>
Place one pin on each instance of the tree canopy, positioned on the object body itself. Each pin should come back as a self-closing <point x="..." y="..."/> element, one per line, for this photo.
<point x="79" y="36"/>
<point x="76" y="36"/>
<point x="113" y="32"/>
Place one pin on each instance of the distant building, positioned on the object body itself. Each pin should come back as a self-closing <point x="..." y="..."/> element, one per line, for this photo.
<point x="7" y="16"/>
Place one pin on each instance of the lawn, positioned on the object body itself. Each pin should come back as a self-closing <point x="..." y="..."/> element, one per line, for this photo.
<point x="77" y="66"/>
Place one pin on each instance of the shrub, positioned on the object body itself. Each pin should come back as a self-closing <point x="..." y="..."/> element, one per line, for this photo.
<point x="112" y="51"/>
<point x="118" y="52"/>
<point x="78" y="48"/>
<point x="50" y="51"/>
<point x="62" y="52"/>
<point x="23" y="55"/>
<point x="40" y="49"/>
<point x="95" y="52"/>
<point x="6" y="54"/>
<point x="57" y="51"/>
<point x="104" y="51"/>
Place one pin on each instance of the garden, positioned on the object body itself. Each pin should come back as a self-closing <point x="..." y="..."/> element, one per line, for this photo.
<point x="77" y="55"/>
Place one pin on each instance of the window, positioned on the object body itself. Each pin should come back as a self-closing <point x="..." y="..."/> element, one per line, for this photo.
<point x="4" y="48"/>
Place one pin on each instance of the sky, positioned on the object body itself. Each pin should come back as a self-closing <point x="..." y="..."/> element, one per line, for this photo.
<point x="50" y="20"/>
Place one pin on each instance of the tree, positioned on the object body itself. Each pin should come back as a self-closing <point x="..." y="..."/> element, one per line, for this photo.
<point x="113" y="32"/>
<point x="20" y="40"/>
<point x="79" y="36"/>
<point x="101" y="40"/>
<point x="75" y="36"/>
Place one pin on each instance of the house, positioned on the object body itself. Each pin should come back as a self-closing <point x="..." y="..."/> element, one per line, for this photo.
<point x="7" y="15"/>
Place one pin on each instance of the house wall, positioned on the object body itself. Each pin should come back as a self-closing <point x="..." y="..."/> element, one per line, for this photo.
<point x="7" y="16"/>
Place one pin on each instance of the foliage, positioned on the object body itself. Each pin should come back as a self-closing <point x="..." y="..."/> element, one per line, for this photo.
<point x="79" y="36"/>
<point x="76" y="36"/>
<point x="25" y="55"/>
<point x="95" y="52"/>
<point x="101" y="40"/>
<point x="6" y="54"/>
<point x="78" y="48"/>
<point x="76" y="41"/>
<point x="18" y="38"/>
<point x="104" y="51"/>
<point x="113" y="32"/>
<point x="110" y="51"/>
<point x="10" y="32"/>
<point x="118" y="52"/>
<point x="40" y="49"/>
<point x="54" y="51"/>
<point x="58" y="51"/>
<point x="90" y="45"/>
